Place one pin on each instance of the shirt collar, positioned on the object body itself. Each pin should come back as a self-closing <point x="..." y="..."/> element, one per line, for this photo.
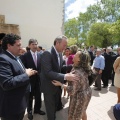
<point x="33" y="52"/>
<point x="11" y="54"/>
<point x="99" y="55"/>
<point x="55" y="50"/>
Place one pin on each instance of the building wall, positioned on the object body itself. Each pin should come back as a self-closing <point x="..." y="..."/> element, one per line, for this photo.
<point x="39" y="19"/>
<point x="8" y="28"/>
<point x="2" y="19"/>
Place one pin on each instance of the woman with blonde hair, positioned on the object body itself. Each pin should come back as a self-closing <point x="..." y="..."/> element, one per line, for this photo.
<point x="116" y="67"/>
<point x="80" y="91"/>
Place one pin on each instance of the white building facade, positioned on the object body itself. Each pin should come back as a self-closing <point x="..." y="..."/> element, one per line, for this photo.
<point x="39" y="19"/>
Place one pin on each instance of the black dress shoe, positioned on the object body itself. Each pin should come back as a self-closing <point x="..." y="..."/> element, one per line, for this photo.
<point x="97" y="89"/>
<point x="60" y="108"/>
<point x="30" y="116"/>
<point x="104" y="86"/>
<point x="39" y="112"/>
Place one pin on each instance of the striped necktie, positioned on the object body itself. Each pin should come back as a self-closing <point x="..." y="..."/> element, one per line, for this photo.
<point x="20" y="63"/>
<point x="35" y="59"/>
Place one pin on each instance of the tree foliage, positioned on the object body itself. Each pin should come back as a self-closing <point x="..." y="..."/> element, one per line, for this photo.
<point x="72" y="41"/>
<point x="115" y="30"/>
<point x="100" y="35"/>
<point x="101" y="16"/>
<point x="72" y="28"/>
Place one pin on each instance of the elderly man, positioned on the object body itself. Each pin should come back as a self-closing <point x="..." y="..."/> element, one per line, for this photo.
<point x="108" y="67"/>
<point x="98" y="66"/>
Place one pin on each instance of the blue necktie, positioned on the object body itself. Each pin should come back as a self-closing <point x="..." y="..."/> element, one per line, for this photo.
<point x="20" y="63"/>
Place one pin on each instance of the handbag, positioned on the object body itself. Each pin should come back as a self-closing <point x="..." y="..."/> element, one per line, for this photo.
<point x="92" y="77"/>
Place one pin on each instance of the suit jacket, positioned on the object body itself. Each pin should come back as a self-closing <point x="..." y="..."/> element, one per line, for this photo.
<point x="14" y="86"/>
<point x="50" y="70"/>
<point x="0" y="48"/>
<point x="114" y="57"/>
<point x="92" y="57"/>
<point x="28" y="62"/>
<point x="108" y="62"/>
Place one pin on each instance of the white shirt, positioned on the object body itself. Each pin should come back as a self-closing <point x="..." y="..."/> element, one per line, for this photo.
<point x="57" y="55"/>
<point x="32" y="53"/>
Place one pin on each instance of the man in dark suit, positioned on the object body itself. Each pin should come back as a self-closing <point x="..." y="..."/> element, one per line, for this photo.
<point x="1" y="37"/>
<point x="14" y="80"/>
<point x="51" y="65"/>
<point x="106" y="74"/>
<point x="31" y="59"/>
<point x="92" y="56"/>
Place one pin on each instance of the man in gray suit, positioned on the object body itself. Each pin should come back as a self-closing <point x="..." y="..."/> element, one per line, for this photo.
<point x="51" y="65"/>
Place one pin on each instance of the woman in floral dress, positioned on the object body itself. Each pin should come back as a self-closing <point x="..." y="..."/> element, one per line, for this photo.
<point x="80" y="92"/>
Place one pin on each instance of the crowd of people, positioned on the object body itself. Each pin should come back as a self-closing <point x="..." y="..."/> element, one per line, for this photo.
<point x="25" y="73"/>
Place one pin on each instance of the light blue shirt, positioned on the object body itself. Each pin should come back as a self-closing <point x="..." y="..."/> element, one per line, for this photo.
<point x="99" y="62"/>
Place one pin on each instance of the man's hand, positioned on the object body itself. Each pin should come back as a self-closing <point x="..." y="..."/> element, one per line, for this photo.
<point x="71" y="77"/>
<point x="56" y="83"/>
<point x="30" y="72"/>
<point x="100" y="71"/>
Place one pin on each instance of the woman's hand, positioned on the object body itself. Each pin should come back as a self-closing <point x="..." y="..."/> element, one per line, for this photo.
<point x="56" y="83"/>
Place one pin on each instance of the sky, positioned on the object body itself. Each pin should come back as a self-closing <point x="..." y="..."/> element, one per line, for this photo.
<point x="74" y="7"/>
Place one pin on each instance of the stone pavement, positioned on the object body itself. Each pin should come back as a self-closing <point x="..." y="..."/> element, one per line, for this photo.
<point x="100" y="107"/>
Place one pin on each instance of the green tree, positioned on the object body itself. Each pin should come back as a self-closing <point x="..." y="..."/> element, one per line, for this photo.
<point x="72" y="29"/>
<point x="103" y="11"/>
<point x="110" y="10"/>
<point x="72" y="41"/>
<point x="83" y="22"/>
<point x="115" y="30"/>
<point x="100" y="35"/>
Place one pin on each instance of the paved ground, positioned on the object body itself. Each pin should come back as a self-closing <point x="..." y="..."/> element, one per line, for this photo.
<point x="100" y="107"/>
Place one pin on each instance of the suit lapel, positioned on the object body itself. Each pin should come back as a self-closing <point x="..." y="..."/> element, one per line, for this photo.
<point x="38" y="60"/>
<point x="22" y="63"/>
<point x="31" y="59"/>
<point x="8" y="54"/>
<point x="61" y="60"/>
<point x="56" y="58"/>
<point x="55" y="55"/>
<point x="21" y="67"/>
